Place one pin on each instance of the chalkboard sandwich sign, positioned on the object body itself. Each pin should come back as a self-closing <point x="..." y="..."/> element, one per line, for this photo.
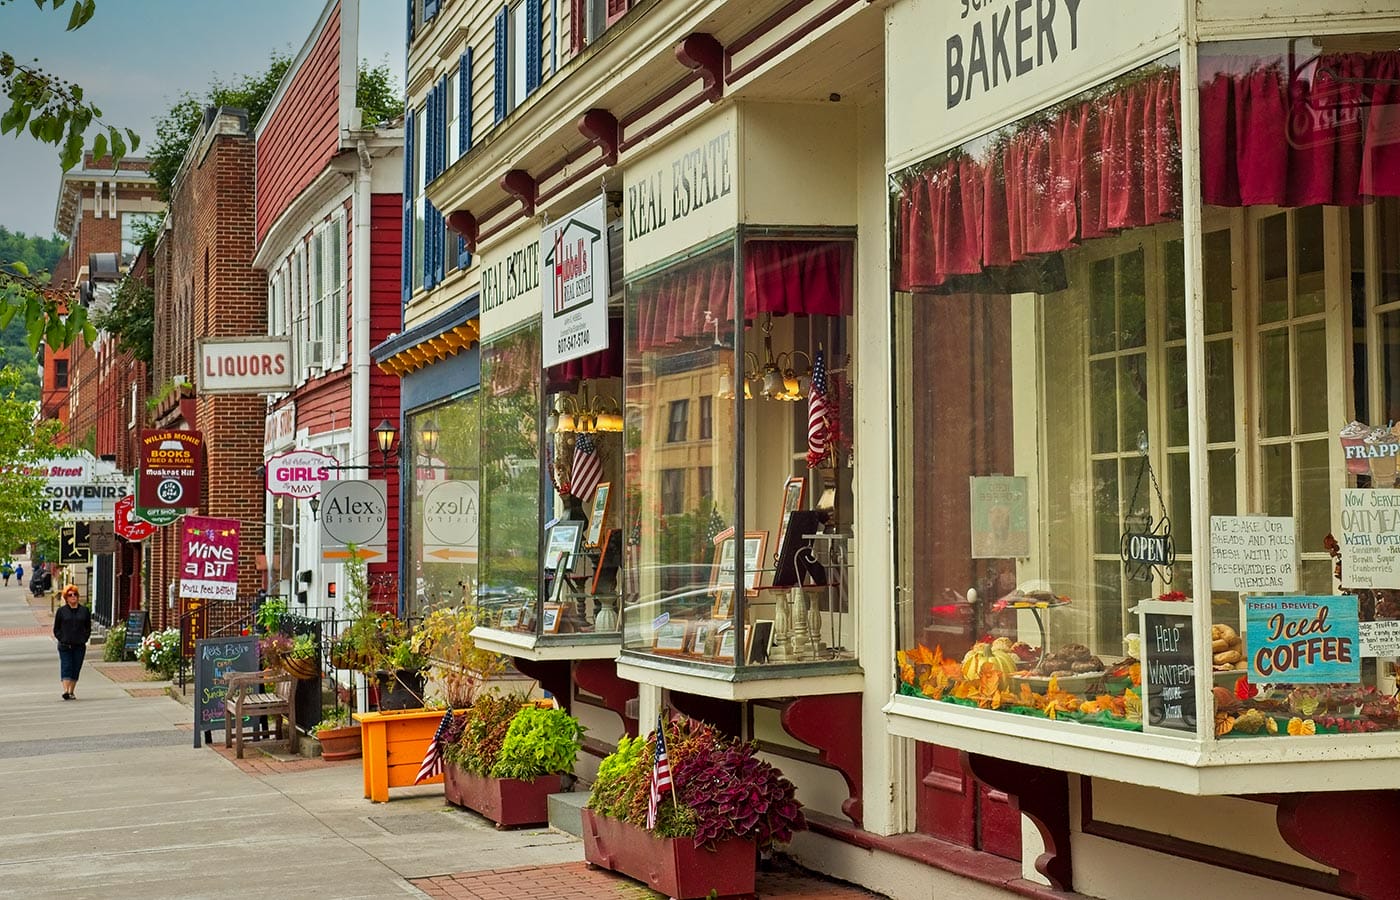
<point x="213" y="659"/>
<point x="1168" y="667"/>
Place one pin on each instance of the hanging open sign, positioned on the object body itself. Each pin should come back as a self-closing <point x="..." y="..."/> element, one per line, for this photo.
<point x="1151" y="549"/>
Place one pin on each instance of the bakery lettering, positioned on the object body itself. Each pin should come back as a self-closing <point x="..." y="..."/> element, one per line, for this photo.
<point x="1306" y="642"/>
<point x="1007" y="40"/>
<point x="698" y="177"/>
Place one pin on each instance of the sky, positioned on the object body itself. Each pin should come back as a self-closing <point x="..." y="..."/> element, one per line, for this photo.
<point x="135" y="57"/>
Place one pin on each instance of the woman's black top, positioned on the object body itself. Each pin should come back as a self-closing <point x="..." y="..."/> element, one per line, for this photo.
<point x="72" y="625"/>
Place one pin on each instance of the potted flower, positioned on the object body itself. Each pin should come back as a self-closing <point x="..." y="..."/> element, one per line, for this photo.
<point x="273" y="649"/>
<point x="300" y="657"/>
<point x="338" y="736"/>
<point x="725" y="805"/>
<point x="160" y="652"/>
<point x="455" y="664"/>
<point x="509" y="758"/>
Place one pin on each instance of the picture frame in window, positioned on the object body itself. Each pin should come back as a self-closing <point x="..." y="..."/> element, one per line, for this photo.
<point x="758" y="641"/>
<point x="562" y="543"/>
<point x="609" y="559"/>
<point x="722" y="571"/>
<point x="597" y="519"/>
<point x="794" y="490"/>
<point x="701" y="633"/>
<point x="786" y="571"/>
<point x="724" y="647"/>
<point x="671" y="637"/>
<point x="553" y="618"/>
<point x="510" y="618"/>
<point x="723" y="607"/>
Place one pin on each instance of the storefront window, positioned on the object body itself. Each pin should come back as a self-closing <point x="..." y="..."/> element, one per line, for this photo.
<point x="510" y="479"/>
<point x="1042" y="387"/>
<point x="445" y="508"/>
<point x="1300" y="180"/>
<point x="719" y="442"/>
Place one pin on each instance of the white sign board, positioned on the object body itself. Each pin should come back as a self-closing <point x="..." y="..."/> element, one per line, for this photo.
<point x="280" y="428"/>
<point x="1253" y="554"/>
<point x="574" y="283"/>
<point x="82" y="488"/>
<point x="683" y="193"/>
<point x="451" y="517"/>
<point x="1370" y="538"/>
<point x="510" y="282"/>
<point x="1380" y="638"/>
<point x="300" y="473"/>
<point x="354" y="513"/>
<point x="245" y="365"/>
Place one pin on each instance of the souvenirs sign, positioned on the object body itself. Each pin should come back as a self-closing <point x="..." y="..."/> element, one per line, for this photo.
<point x="1253" y="554"/>
<point x="574" y="283"/>
<point x="170" y="466"/>
<point x="208" y="559"/>
<point x="1307" y="640"/>
<point x="1370" y="538"/>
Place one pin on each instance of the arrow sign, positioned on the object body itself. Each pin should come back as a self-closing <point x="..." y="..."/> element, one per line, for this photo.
<point x="446" y="554"/>
<point x="126" y="524"/>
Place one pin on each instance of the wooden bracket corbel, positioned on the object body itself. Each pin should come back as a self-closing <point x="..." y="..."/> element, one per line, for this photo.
<point x="705" y="54"/>
<point x="464" y="223"/>
<point x="521" y="185"/>
<point x="600" y="127"/>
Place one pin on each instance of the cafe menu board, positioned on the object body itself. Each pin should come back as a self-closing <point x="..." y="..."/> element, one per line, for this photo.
<point x="1253" y="554"/>
<point x="1370" y="537"/>
<point x="1168" y="667"/>
<point x="213" y="659"/>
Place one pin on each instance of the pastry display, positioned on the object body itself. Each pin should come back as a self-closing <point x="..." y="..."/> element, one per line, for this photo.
<point x="1071" y="659"/>
<point x="1227" y="649"/>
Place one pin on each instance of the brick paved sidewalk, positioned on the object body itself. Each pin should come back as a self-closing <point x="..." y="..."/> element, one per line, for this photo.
<point x="275" y="760"/>
<point x="576" y="881"/>
<point x="124" y="672"/>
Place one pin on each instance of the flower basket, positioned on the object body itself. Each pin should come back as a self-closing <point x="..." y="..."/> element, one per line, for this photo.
<point x="339" y="743"/>
<point x="508" y="802"/>
<point x="300" y="668"/>
<point x="673" y="866"/>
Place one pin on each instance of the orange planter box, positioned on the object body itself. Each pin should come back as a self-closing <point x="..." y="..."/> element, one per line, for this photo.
<point x="393" y="744"/>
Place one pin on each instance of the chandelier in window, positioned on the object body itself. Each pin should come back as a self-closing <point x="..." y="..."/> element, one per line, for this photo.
<point x="777" y="377"/>
<point x="580" y="414"/>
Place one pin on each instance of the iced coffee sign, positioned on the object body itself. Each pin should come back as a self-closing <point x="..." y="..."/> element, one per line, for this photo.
<point x="1253" y="554"/>
<point x="1370" y="538"/>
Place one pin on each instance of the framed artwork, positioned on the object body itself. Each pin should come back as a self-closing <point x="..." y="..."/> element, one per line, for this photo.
<point x="724" y="604"/>
<point x="793" y="491"/>
<point x="671" y="636"/>
<point x="725" y="648"/>
<point x="553" y="616"/>
<point x="722" y="573"/>
<point x="760" y="641"/>
<point x="598" y="518"/>
<point x="510" y="618"/>
<point x="562" y="544"/>
<point x="609" y="558"/>
<point x="700" y="634"/>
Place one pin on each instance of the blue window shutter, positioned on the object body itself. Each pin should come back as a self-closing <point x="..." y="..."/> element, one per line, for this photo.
<point x="502" y="62"/>
<point x="430" y="8"/>
<point x="439" y="220"/>
<point x="464" y="103"/>
<point x="410" y="21"/>
<point x="407" y="265"/>
<point x="429" y="142"/>
<point x="534" y="48"/>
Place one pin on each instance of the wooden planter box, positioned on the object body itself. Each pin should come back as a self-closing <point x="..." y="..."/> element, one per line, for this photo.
<point x="339" y="743"/>
<point x="673" y="866"/>
<point x="506" y="801"/>
<point x="393" y="745"/>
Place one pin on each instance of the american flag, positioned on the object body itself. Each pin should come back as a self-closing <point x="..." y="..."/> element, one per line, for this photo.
<point x="660" y="774"/>
<point x="588" y="468"/>
<point x="432" y="760"/>
<point x="818" y="413"/>
<point x="716" y="525"/>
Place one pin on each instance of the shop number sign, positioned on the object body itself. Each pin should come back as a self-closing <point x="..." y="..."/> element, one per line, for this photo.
<point x="1311" y="640"/>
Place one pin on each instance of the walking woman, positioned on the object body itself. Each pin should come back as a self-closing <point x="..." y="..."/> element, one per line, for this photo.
<point x="72" y="626"/>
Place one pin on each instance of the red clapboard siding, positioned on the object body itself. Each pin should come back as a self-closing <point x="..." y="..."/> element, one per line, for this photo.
<point x="324" y="404"/>
<point x="303" y="132"/>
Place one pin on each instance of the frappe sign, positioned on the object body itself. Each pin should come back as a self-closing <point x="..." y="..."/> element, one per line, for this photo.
<point x="300" y="473"/>
<point x="574" y="284"/>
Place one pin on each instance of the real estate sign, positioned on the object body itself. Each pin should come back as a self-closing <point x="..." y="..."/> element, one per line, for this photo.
<point x="574" y="283"/>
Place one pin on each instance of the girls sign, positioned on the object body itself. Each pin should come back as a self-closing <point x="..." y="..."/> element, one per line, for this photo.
<point x="1303" y="639"/>
<point x="209" y="558"/>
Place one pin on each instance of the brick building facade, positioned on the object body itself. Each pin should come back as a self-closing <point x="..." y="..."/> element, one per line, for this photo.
<point x="206" y="287"/>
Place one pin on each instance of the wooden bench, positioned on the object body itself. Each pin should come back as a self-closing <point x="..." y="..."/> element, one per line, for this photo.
<point x="251" y="696"/>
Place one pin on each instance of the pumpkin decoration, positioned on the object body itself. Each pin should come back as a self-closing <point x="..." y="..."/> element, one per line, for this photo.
<point x="983" y="655"/>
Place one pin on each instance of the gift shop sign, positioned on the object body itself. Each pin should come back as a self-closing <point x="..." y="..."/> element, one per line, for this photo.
<point x="964" y="65"/>
<point x="354" y="521"/>
<point x="510" y="283"/>
<point x="245" y="366"/>
<point x="574" y="284"/>
<point x="208" y="558"/>
<point x="1370" y="538"/>
<point x="300" y="473"/>
<point x="126" y="524"/>
<point x="170" y="469"/>
<point x="1312" y="640"/>
<point x="683" y="193"/>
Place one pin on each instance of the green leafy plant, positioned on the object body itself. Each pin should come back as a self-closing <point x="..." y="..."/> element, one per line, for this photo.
<point x="400" y="655"/>
<point x="539" y="742"/>
<point x="484" y="732"/>
<point x="273" y="648"/>
<point x="335" y="717"/>
<point x="303" y="647"/>
<point x="456" y="664"/>
<point x="113" y="650"/>
<point x="269" y="614"/>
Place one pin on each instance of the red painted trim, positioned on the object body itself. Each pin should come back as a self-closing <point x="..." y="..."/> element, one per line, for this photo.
<point x="657" y="127"/>
<point x="1041" y="795"/>
<point x="809" y="720"/>
<point x="563" y="186"/>
<point x="599" y="678"/>
<point x="704" y="54"/>
<point x="1351" y="831"/>
<point x="656" y="101"/>
<point x="779" y="16"/>
<point x="985" y="868"/>
<point x="734" y="74"/>
<point x="1260" y="867"/>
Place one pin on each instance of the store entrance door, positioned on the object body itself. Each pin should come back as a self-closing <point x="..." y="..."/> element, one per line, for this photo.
<point x="952" y="806"/>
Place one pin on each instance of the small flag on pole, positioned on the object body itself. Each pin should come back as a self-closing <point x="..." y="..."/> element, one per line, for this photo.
<point x="588" y="468"/>
<point x="432" y="760"/>
<point x="818" y="413"/>
<point x="660" y="774"/>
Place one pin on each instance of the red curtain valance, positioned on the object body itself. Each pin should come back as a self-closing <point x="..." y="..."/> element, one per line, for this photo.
<point x="1328" y="133"/>
<point x="795" y="277"/>
<point x="1088" y="170"/>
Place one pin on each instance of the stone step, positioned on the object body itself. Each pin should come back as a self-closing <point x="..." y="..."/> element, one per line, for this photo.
<point x="566" y="812"/>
